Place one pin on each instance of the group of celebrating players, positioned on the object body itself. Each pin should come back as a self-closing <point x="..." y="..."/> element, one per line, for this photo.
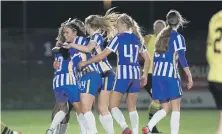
<point x="82" y="71"/>
<point x="83" y="76"/>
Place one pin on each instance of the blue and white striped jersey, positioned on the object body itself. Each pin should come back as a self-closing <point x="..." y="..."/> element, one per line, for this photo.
<point x="166" y="64"/>
<point x="103" y="65"/>
<point x="77" y="56"/>
<point x="63" y="76"/>
<point x="127" y="46"/>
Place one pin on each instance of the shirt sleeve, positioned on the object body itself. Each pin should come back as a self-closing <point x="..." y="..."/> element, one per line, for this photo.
<point x="179" y="43"/>
<point x="113" y="44"/>
<point x="182" y="58"/>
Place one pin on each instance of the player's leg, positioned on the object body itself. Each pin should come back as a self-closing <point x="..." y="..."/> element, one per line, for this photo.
<point x="159" y="115"/>
<point x="119" y="88"/>
<point x="154" y="105"/>
<point x="6" y="130"/>
<point x="96" y="101"/>
<point x="61" y="100"/>
<point x="133" y="91"/>
<point x="90" y="84"/>
<point x="62" y="127"/>
<point x="73" y="94"/>
<point x="133" y="114"/>
<point x="55" y="110"/>
<point x="105" y="117"/>
<point x="175" y="116"/>
<point x="64" y="124"/>
<point x="59" y="116"/>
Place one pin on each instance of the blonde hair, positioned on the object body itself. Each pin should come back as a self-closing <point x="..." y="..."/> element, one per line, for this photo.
<point x="132" y="24"/>
<point x="174" y="21"/>
<point x="60" y="36"/>
<point x="104" y="23"/>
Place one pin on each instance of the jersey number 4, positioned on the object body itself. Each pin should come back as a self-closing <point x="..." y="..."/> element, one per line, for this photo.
<point x="218" y="40"/>
<point x="133" y="57"/>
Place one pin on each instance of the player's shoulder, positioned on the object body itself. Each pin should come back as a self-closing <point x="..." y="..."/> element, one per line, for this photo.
<point x="176" y="35"/>
<point x="97" y="35"/>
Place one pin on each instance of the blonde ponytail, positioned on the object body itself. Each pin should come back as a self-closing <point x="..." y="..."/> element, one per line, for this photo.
<point x="136" y="29"/>
<point x="163" y="40"/>
<point x="104" y="23"/>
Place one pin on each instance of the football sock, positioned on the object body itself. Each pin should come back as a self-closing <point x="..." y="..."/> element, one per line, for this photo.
<point x="156" y="118"/>
<point x="175" y="122"/>
<point x="134" y="119"/>
<point x="118" y="116"/>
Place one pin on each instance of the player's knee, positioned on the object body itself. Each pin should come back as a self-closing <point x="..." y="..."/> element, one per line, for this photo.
<point x="63" y="107"/>
<point x="85" y="108"/>
<point x="103" y="109"/>
<point x="112" y="105"/>
<point x="166" y="108"/>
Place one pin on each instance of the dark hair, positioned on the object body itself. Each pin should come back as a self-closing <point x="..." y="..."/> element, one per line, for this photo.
<point x="78" y="26"/>
<point x="174" y="20"/>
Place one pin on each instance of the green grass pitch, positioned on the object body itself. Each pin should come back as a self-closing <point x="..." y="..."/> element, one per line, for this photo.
<point x="37" y="121"/>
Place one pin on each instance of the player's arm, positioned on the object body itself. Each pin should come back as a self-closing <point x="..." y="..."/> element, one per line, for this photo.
<point x="85" y="49"/>
<point x="111" y="47"/>
<point x="180" y="48"/>
<point x="94" y="41"/>
<point x="145" y="55"/>
<point x="99" y="57"/>
<point x="184" y="64"/>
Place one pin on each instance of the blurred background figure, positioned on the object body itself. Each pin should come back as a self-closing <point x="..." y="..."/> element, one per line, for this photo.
<point x="214" y="58"/>
<point x="6" y="130"/>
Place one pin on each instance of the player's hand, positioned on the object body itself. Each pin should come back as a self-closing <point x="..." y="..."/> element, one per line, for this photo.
<point x="58" y="43"/>
<point x="143" y="81"/>
<point x="56" y="64"/>
<point x="190" y="83"/>
<point x="66" y="46"/>
<point x="82" y="64"/>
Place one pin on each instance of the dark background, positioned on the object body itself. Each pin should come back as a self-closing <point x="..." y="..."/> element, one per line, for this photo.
<point x="29" y="30"/>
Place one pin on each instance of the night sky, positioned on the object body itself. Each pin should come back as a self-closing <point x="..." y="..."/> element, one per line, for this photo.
<point x="42" y="14"/>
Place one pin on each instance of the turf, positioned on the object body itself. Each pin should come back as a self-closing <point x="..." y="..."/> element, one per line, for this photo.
<point x="37" y="121"/>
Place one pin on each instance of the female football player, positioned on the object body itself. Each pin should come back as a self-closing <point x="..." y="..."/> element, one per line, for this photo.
<point x="149" y="41"/>
<point x="95" y="25"/>
<point x="62" y="127"/>
<point x="128" y="44"/>
<point x="166" y="85"/>
<point x="90" y="80"/>
<point x="66" y="80"/>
